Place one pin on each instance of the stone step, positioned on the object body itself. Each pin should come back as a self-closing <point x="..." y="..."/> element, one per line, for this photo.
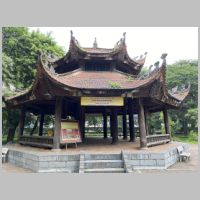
<point x="63" y="170"/>
<point x="103" y="164"/>
<point x="105" y="170"/>
<point x="103" y="156"/>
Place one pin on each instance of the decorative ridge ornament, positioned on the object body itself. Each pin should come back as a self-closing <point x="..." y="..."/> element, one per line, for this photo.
<point x="95" y="45"/>
<point x="124" y="39"/>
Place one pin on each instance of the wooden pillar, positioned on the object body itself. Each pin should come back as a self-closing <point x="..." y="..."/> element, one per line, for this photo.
<point x="131" y="121"/>
<point x="114" y="125"/>
<point x="124" y="123"/>
<point x="22" y="121"/>
<point x="41" y="124"/>
<point x="82" y="121"/>
<point x="105" y="133"/>
<point x="143" y="139"/>
<point x="57" y="130"/>
<point x="166" y="122"/>
<point x="146" y="121"/>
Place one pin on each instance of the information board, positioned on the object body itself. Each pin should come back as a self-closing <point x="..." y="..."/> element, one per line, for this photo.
<point x="70" y="132"/>
<point x="102" y="101"/>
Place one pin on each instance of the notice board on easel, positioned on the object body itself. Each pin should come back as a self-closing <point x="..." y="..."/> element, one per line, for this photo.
<point x="70" y="132"/>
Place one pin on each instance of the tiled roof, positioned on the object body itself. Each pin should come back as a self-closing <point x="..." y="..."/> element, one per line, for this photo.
<point x="100" y="80"/>
<point x="97" y="50"/>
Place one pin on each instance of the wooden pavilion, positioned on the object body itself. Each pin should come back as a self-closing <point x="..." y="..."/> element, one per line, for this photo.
<point x="97" y="80"/>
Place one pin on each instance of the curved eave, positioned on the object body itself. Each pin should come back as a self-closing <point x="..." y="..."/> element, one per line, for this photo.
<point x="63" y="80"/>
<point x="179" y="96"/>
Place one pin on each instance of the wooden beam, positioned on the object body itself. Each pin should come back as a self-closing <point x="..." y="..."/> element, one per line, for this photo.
<point x="166" y="122"/>
<point x="57" y="130"/>
<point x="131" y="121"/>
<point x="41" y="124"/>
<point x="22" y="121"/>
<point x="143" y="139"/>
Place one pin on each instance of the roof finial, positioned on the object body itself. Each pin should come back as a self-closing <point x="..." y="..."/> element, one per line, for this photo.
<point x="95" y="45"/>
<point x="71" y="34"/>
<point x="124" y="34"/>
<point x="163" y="57"/>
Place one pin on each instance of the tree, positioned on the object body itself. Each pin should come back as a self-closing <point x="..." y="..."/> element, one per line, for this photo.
<point x="179" y="74"/>
<point x="183" y="120"/>
<point x="23" y="46"/>
<point x="20" y="53"/>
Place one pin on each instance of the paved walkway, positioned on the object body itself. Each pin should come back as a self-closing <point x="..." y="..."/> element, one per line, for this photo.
<point x="180" y="167"/>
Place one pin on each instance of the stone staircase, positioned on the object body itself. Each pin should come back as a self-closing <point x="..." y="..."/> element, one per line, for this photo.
<point x="101" y="163"/>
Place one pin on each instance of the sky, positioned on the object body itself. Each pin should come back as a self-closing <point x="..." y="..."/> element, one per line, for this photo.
<point x="180" y="43"/>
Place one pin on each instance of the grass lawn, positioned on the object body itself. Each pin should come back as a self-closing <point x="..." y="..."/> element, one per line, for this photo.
<point x="192" y="139"/>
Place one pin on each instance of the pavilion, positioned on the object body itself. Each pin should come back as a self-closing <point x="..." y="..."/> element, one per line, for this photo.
<point x="97" y="80"/>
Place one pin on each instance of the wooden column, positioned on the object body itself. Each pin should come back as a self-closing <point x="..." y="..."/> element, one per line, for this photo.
<point x="114" y="125"/>
<point x="124" y="123"/>
<point x="82" y="121"/>
<point x="41" y="124"/>
<point x="105" y="133"/>
<point x="22" y="121"/>
<point x="146" y="121"/>
<point x="143" y="139"/>
<point x="131" y="121"/>
<point x="166" y="122"/>
<point x="57" y="130"/>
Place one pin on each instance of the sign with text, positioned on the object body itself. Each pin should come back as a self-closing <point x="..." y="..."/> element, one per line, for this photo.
<point x="102" y="101"/>
<point x="70" y="132"/>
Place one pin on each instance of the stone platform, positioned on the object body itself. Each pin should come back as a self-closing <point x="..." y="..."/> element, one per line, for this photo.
<point x="95" y="156"/>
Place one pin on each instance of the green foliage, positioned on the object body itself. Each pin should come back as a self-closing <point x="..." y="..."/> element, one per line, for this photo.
<point x="20" y="53"/>
<point x="192" y="138"/>
<point x="130" y="78"/>
<point x="114" y="85"/>
<point x="185" y="119"/>
<point x="178" y="74"/>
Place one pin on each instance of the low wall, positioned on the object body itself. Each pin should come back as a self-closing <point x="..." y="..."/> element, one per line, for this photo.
<point x="44" y="163"/>
<point x="70" y="162"/>
<point x="150" y="160"/>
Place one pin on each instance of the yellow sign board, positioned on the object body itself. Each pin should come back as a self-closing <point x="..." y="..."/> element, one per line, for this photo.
<point x="70" y="132"/>
<point x="102" y="101"/>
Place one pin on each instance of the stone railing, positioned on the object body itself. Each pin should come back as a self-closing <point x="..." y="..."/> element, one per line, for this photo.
<point x="153" y="140"/>
<point x="39" y="141"/>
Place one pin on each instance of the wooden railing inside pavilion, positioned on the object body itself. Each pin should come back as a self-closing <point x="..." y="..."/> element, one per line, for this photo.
<point x="46" y="141"/>
<point x="39" y="141"/>
<point x="153" y="140"/>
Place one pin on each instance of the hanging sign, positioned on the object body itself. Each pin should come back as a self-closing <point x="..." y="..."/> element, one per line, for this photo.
<point x="70" y="132"/>
<point x="102" y="101"/>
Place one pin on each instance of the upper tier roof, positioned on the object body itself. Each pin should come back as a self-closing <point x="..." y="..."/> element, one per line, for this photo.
<point x="117" y="54"/>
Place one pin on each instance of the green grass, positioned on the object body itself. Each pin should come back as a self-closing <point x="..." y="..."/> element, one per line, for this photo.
<point x="191" y="138"/>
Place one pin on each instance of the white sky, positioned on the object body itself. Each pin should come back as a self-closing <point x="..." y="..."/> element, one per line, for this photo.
<point x="179" y="42"/>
